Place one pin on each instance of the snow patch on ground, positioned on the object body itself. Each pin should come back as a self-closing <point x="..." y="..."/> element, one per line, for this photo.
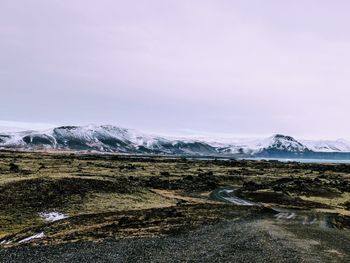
<point x="52" y="216"/>
<point x="28" y="239"/>
<point x="5" y="242"/>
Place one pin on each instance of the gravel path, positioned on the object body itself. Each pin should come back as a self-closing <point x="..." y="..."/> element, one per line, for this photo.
<point x="254" y="241"/>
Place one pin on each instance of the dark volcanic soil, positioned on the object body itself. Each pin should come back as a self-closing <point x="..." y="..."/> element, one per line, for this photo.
<point x="251" y="241"/>
<point x="158" y="209"/>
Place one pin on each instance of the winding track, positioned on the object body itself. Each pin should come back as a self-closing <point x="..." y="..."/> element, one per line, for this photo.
<point x="227" y="195"/>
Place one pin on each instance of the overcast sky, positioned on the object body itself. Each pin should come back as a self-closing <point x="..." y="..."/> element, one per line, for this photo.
<point x="241" y="67"/>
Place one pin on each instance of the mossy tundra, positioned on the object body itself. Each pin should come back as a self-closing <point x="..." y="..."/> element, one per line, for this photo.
<point x="117" y="196"/>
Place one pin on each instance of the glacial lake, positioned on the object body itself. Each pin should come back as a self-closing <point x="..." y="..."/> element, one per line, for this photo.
<point x="301" y="160"/>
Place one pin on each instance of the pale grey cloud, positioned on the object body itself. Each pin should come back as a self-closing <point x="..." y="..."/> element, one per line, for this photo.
<point x="240" y="67"/>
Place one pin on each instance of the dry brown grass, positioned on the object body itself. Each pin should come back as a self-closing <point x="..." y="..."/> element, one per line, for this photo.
<point x="86" y="185"/>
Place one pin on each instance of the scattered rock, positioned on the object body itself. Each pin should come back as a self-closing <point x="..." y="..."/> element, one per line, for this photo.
<point x="14" y="168"/>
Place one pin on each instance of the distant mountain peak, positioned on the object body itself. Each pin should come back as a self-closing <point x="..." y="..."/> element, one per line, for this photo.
<point x="286" y="143"/>
<point x="281" y="136"/>
<point x="109" y="138"/>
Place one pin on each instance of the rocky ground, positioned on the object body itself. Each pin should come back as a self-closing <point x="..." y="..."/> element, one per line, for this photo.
<point x="136" y="209"/>
<point x="258" y="240"/>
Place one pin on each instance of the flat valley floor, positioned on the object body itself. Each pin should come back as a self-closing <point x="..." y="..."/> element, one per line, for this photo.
<point x="66" y="207"/>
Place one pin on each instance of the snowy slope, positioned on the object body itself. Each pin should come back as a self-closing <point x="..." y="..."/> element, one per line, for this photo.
<point x="104" y="138"/>
<point x="340" y="145"/>
<point x="107" y="138"/>
<point x="277" y="142"/>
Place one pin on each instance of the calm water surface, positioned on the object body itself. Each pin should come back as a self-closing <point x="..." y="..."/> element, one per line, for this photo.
<point x="301" y="160"/>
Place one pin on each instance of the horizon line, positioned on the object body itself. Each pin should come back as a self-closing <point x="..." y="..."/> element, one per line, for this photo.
<point x="18" y="126"/>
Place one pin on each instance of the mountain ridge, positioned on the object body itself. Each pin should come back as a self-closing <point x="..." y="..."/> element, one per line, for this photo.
<point x="114" y="139"/>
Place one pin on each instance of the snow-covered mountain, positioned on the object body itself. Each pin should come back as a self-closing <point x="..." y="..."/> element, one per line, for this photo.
<point x="107" y="138"/>
<point x="276" y="142"/>
<point x="340" y="145"/>
<point x="104" y="138"/>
